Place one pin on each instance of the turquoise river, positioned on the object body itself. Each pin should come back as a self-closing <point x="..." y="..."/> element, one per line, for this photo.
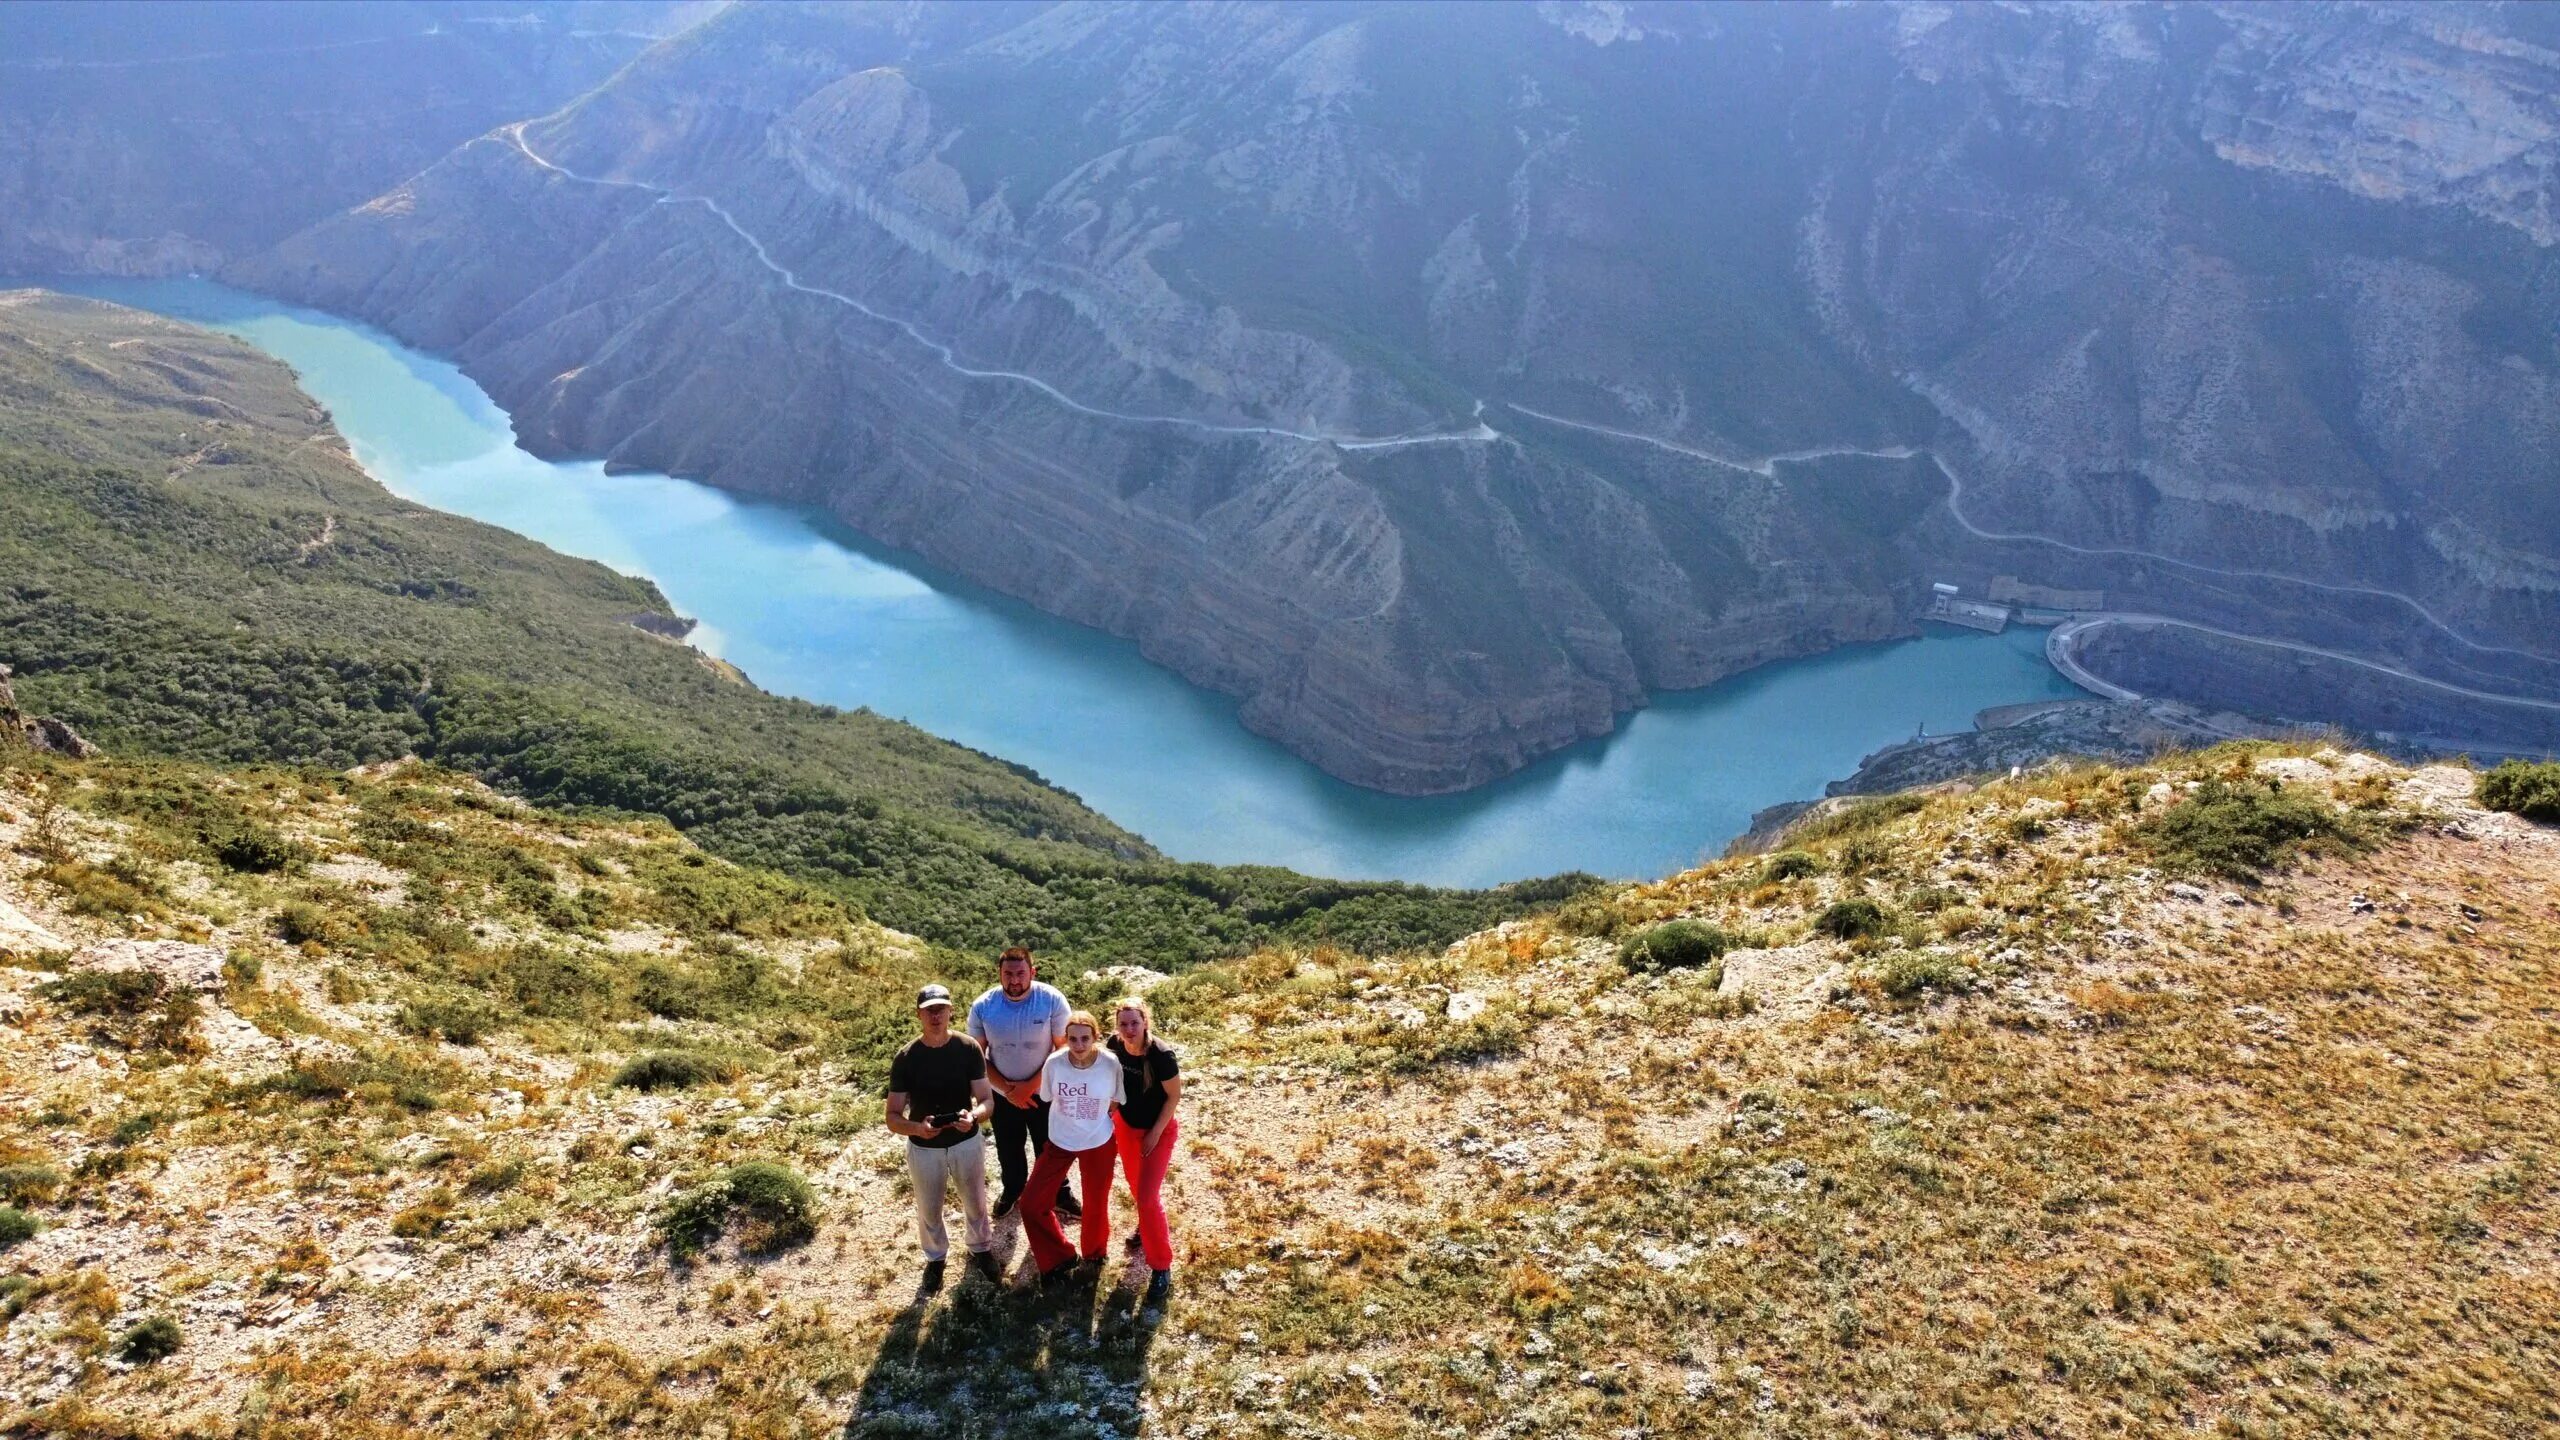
<point x="807" y="608"/>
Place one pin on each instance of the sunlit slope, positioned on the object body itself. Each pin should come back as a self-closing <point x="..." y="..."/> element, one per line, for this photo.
<point x="2212" y="1094"/>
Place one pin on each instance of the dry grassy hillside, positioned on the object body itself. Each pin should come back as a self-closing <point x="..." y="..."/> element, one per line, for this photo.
<point x="2211" y="1096"/>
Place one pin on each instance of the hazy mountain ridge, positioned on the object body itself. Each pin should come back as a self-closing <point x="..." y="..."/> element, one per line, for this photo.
<point x="2148" y="278"/>
<point x="165" y="138"/>
<point x="2300" y="322"/>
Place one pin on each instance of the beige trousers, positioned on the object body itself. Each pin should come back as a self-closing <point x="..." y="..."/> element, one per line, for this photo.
<point x="964" y="1164"/>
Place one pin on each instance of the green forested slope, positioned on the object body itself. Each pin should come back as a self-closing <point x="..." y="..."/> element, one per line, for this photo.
<point x="190" y="564"/>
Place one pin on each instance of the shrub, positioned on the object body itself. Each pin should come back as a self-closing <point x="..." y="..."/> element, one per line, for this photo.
<point x="247" y="846"/>
<point x="1863" y="854"/>
<point x="16" y="1226"/>
<point x="779" y="1208"/>
<point x="426" y="1219"/>
<point x="1497" y="1032"/>
<point x="29" y="1182"/>
<point x="367" y="1078"/>
<point x="1790" y="865"/>
<point x="671" y="1070"/>
<point x="107" y="894"/>
<point x="136" y="1009"/>
<point x="106" y="992"/>
<point x="1852" y="918"/>
<point x="1675" y="945"/>
<point x="154" y="1339"/>
<point x="496" y="1176"/>
<point x="1592" y="915"/>
<point x="462" y="1022"/>
<point x="2529" y="789"/>
<point x="1909" y="972"/>
<point x="303" y="923"/>
<point x="2238" y="829"/>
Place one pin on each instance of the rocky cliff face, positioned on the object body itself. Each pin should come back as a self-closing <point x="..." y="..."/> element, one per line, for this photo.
<point x="1419" y="380"/>
<point x="2229" y="294"/>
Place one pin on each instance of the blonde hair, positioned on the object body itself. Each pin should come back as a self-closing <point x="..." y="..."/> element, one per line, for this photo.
<point x="1138" y="1003"/>
<point x="1085" y="1019"/>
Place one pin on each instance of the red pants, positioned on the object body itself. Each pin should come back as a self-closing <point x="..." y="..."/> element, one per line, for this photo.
<point x="1040" y="1205"/>
<point x="1145" y="1170"/>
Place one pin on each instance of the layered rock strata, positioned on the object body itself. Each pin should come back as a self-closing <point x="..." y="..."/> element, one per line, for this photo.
<point x="1437" y="389"/>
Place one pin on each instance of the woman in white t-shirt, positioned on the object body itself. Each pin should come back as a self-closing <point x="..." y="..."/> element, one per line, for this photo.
<point x="1082" y="1086"/>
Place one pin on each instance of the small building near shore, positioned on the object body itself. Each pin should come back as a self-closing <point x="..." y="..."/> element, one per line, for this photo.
<point x="1980" y="615"/>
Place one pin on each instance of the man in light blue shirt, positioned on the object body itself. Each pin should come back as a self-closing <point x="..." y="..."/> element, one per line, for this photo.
<point x="1019" y="1023"/>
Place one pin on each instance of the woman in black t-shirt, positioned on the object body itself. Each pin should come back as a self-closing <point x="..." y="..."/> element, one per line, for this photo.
<point x="1145" y="1127"/>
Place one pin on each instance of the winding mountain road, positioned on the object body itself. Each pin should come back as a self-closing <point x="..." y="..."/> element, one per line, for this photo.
<point x="1480" y="433"/>
<point x="2062" y="648"/>
<point x="1767" y="467"/>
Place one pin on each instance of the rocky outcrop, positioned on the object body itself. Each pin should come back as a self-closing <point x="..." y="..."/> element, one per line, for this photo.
<point x="43" y="732"/>
<point x="1380" y="375"/>
<point x="175" y="964"/>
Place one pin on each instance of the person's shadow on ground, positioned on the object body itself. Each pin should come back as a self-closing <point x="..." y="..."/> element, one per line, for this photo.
<point x="982" y="1359"/>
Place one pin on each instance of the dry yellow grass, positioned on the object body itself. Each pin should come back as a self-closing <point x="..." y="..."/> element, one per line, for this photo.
<point x="2070" y="1143"/>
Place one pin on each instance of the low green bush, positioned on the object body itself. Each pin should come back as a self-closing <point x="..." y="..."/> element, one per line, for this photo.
<point x="366" y="1079"/>
<point x="1675" y="945"/>
<point x="497" y="1176"/>
<point x="2240" y="829"/>
<point x="463" y="1022"/>
<point x="1864" y="854"/>
<point x="1911" y="972"/>
<point x="2527" y="788"/>
<point x="303" y="923"/>
<point x="1853" y="918"/>
<point x="16" y="1226"/>
<point x="252" y="848"/>
<point x="135" y="1009"/>
<point x="780" y="1208"/>
<point x="1495" y="1034"/>
<point x="777" y="1208"/>
<point x="672" y="1070"/>
<point x="1790" y="865"/>
<point x="106" y="992"/>
<point x="30" y="1183"/>
<point x="154" y="1339"/>
<point x="1594" y="915"/>
<point x="426" y="1219"/>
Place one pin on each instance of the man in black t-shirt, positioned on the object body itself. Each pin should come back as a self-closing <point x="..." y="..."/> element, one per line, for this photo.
<point x="938" y="1097"/>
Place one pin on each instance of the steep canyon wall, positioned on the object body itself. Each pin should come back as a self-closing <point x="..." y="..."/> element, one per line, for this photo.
<point x="1417" y="379"/>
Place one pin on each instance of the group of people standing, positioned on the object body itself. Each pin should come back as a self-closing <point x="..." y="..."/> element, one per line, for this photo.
<point x="1060" y="1096"/>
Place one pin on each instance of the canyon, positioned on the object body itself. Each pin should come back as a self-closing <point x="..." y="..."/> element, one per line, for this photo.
<point x="1441" y="388"/>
